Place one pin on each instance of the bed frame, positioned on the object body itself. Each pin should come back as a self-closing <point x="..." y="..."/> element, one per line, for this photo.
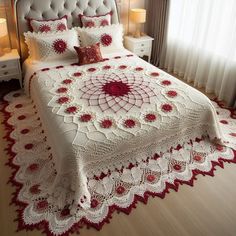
<point x="52" y="9"/>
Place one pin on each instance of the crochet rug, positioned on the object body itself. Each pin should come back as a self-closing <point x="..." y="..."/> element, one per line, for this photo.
<point x="31" y="161"/>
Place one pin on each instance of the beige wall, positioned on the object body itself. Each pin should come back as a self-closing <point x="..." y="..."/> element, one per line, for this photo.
<point x="122" y="4"/>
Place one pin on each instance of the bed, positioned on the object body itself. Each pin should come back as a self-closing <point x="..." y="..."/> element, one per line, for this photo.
<point x="126" y="129"/>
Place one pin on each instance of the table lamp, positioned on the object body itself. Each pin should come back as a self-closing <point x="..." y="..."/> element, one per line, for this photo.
<point x="138" y="16"/>
<point x="3" y="33"/>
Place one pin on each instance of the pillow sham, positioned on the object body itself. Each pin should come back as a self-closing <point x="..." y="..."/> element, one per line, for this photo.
<point x="47" y="26"/>
<point x="109" y="37"/>
<point x="51" y="46"/>
<point x="95" y="21"/>
<point x="90" y="54"/>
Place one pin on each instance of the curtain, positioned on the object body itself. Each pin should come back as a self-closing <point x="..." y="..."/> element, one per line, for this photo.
<point x="201" y="45"/>
<point x="156" y="27"/>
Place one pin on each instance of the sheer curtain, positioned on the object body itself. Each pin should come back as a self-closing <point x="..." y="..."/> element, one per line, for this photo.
<point x="201" y="45"/>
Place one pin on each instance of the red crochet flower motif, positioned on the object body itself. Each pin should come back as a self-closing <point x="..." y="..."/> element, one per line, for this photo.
<point x="155" y="74"/>
<point x="92" y="69"/>
<point x="150" y="117"/>
<point x="225" y="122"/>
<point x="139" y="69"/>
<point x="120" y="190"/>
<point x="220" y="148"/>
<point x="33" y="167"/>
<point x="106" y="40"/>
<point x="67" y="81"/>
<point x="116" y="88"/>
<point x="106" y="124"/>
<point x="62" y="90"/>
<point x="63" y="100"/>
<point x="151" y="178"/>
<point x="59" y="46"/>
<point x="24" y="131"/>
<point x="89" y="24"/>
<point x="85" y="118"/>
<point x="177" y="167"/>
<point x="197" y="158"/>
<point x="166" y="82"/>
<point x="18" y="106"/>
<point x="166" y="108"/>
<point x="71" y="110"/>
<point x="42" y="205"/>
<point x="107" y="67"/>
<point x="35" y="189"/>
<point x="233" y="134"/>
<point x="22" y="117"/>
<point x="122" y="67"/>
<point x="61" y="27"/>
<point x="94" y="203"/>
<point x="77" y="74"/>
<point x="29" y="146"/>
<point x="104" y="22"/>
<point x="44" y="28"/>
<point x="172" y="93"/>
<point x="65" y="212"/>
<point x="129" y="123"/>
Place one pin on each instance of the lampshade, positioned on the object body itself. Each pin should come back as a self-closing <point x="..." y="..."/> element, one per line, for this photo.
<point x="138" y="15"/>
<point x="3" y="27"/>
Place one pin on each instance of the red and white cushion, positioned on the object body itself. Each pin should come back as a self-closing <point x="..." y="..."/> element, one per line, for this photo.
<point x="110" y="37"/>
<point x="90" y="54"/>
<point x="51" y="46"/>
<point x="95" y="21"/>
<point x="48" y="26"/>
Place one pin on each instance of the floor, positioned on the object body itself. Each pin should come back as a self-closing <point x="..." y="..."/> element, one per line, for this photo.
<point x="207" y="209"/>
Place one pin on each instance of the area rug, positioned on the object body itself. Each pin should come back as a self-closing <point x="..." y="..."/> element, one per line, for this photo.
<point x="33" y="170"/>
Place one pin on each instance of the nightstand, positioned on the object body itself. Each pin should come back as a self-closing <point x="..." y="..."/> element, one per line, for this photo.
<point x="140" y="46"/>
<point x="10" y="67"/>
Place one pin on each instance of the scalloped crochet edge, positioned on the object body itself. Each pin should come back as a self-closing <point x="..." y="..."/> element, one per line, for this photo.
<point x="43" y="226"/>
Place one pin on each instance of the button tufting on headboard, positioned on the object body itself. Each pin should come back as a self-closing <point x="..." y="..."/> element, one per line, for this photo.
<point x="51" y="9"/>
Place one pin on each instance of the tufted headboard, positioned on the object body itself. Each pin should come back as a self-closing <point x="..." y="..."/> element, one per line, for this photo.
<point x="51" y="9"/>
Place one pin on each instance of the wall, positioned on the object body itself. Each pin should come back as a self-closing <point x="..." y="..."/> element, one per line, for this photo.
<point x="123" y="6"/>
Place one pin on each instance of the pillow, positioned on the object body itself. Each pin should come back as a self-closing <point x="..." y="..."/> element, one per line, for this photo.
<point x="95" y="21"/>
<point x="46" y="26"/>
<point x="90" y="54"/>
<point x="109" y="37"/>
<point x="51" y="46"/>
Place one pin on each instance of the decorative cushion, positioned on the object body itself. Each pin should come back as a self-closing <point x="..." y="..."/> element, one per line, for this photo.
<point x="109" y="37"/>
<point x="95" y="21"/>
<point x="52" y="25"/>
<point x="51" y="46"/>
<point x="90" y="54"/>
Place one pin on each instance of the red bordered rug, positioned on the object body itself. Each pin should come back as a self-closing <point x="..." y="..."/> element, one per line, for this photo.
<point x="31" y="162"/>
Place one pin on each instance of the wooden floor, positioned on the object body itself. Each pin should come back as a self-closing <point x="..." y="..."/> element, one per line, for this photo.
<point x="207" y="209"/>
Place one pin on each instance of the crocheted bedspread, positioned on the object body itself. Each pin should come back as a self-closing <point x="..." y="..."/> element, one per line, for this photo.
<point x="105" y="116"/>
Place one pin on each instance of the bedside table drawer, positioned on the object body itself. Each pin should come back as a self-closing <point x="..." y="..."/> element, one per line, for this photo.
<point x="144" y="44"/>
<point x="142" y="51"/>
<point x="8" y="64"/>
<point x="9" y="71"/>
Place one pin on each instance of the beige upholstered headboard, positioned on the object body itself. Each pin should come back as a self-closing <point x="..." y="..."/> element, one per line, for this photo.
<point x="51" y="9"/>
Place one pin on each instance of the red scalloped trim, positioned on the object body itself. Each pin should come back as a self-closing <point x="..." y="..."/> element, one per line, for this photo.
<point x="43" y="225"/>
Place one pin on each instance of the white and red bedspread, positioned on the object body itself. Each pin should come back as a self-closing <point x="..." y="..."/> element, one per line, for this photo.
<point x="95" y="136"/>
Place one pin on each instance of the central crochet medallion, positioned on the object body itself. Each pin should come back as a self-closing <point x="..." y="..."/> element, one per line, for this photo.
<point x="116" y="91"/>
<point x="116" y="88"/>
